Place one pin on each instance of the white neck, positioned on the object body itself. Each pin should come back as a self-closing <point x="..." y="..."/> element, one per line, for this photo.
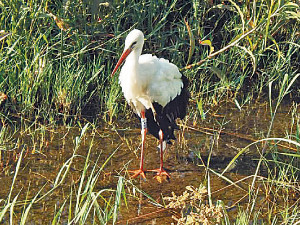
<point x="133" y="57"/>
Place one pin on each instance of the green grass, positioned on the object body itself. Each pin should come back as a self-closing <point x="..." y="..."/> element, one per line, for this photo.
<point x="82" y="201"/>
<point x="53" y="76"/>
<point x="47" y="72"/>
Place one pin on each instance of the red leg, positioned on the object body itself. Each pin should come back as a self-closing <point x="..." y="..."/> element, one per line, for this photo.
<point x="161" y="171"/>
<point x="143" y="132"/>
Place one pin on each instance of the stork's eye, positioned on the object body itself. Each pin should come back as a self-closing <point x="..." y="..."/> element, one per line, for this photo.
<point x="133" y="44"/>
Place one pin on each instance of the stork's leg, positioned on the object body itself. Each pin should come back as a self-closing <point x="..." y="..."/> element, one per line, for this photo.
<point x="161" y="170"/>
<point x="143" y="132"/>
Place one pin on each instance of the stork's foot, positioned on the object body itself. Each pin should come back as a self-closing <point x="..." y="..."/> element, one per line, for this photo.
<point x="160" y="173"/>
<point x="137" y="173"/>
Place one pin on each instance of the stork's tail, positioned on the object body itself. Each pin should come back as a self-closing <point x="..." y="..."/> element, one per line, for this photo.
<point x="166" y="116"/>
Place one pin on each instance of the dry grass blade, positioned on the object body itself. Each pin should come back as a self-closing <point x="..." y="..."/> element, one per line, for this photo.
<point x="235" y="42"/>
<point x="192" y="41"/>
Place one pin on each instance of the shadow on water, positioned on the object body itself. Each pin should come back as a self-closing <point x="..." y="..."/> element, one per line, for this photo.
<point x="211" y="143"/>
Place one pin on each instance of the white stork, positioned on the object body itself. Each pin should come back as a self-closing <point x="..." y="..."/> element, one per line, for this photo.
<point x="156" y="91"/>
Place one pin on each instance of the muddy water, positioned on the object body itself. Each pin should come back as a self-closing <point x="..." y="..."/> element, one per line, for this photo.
<point x="224" y="132"/>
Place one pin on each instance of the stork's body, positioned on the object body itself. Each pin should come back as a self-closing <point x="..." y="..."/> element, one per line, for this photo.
<point x="156" y="90"/>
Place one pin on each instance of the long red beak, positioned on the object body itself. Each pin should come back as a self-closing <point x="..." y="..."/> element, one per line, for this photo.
<point x="122" y="58"/>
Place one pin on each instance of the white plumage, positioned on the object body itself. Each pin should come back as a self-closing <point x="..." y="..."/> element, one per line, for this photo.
<point x="145" y="78"/>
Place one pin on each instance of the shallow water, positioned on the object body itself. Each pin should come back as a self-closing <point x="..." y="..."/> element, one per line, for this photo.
<point x="47" y="149"/>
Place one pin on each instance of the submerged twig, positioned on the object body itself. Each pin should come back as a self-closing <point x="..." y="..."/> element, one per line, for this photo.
<point x="240" y="136"/>
<point x="146" y="216"/>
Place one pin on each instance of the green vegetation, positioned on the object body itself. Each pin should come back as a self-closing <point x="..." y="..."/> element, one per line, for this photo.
<point x="56" y="60"/>
<point x="48" y="72"/>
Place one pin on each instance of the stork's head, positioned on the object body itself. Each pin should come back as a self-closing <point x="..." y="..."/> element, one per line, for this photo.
<point x="134" y="41"/>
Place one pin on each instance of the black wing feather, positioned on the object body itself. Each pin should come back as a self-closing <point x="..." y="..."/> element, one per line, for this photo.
<point x="166" y="116"/>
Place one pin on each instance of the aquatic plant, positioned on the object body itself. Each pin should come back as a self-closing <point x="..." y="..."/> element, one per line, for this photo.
<point x="194" y="209"/>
